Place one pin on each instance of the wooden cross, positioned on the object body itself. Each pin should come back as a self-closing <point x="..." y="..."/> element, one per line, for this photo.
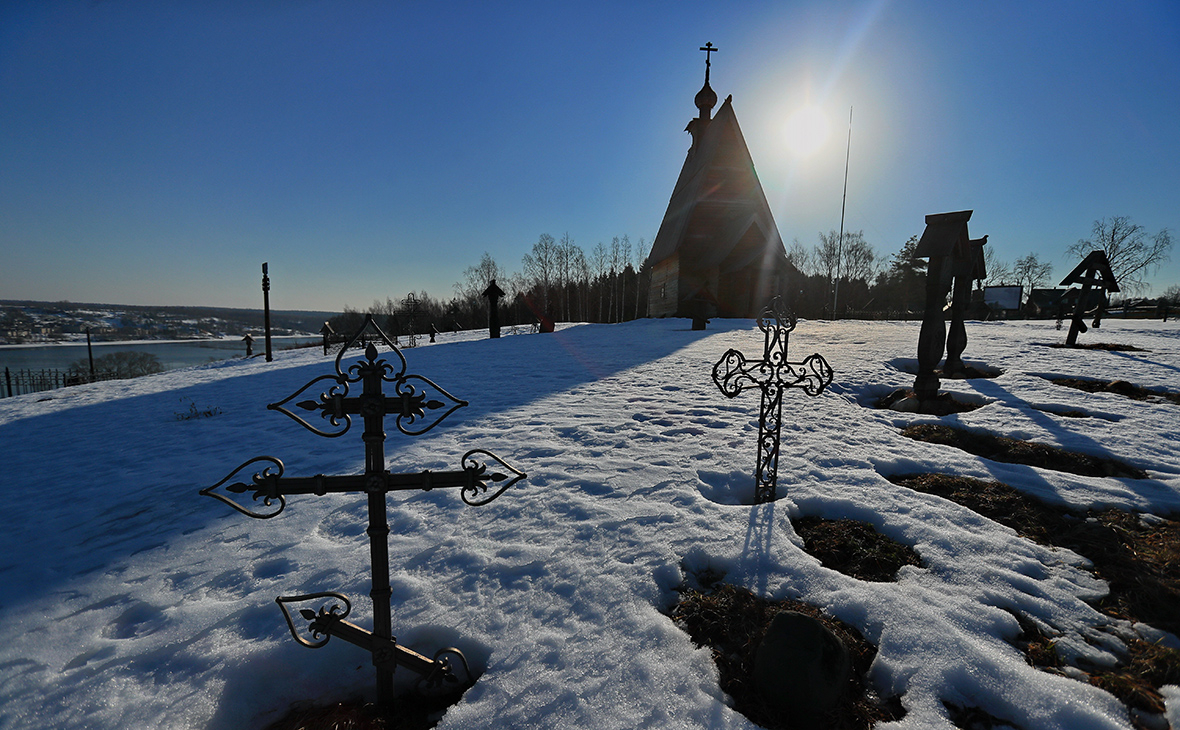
<point x="417" y="410"/>
<point x="1093" y="271"/>
<point x="773" y="374"/>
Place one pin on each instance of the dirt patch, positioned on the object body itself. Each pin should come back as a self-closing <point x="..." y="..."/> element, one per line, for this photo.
<point x="969" y="372"/>
<point x="854" y="548"/>
<point x="906" y="400"/>
<point x="411" y="712"/>
<point x="1136" y="556"/>
<point x="973" y="718"/>
<point x="1064" y="413"/>
<point x="1107" y="346"/>
<point x="1017" y="451"/>
<point x="731" y="621"/>
<point x="1118" y="387"/>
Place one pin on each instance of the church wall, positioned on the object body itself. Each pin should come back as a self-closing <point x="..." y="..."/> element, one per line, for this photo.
<point x="664" y="294"/>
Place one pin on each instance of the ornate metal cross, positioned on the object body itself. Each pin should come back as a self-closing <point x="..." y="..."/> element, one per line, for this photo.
<point x="773" y="374"/>
<point x="418" y="405"/>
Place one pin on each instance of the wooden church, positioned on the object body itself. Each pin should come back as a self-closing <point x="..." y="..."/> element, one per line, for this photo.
<point x="718" y="252"/>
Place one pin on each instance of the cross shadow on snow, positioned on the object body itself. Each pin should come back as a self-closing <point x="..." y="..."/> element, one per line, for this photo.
<point x="1137" y="358"/>
<point x="1149" y="490"/>
<point x="89" y="486"/>
<point x="755" y="558"/>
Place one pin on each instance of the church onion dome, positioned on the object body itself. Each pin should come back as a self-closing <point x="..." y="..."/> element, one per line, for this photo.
<point x="705" y="100"/>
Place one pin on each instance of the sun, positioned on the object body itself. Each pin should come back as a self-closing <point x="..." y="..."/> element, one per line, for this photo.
<point x="806" y="131"/>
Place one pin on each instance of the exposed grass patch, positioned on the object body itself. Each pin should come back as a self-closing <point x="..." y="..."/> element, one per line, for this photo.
<point x="411" y="712"/>
<point x="195" y="412"/>
<point x="1107" y="346"/>
<point x="970" y="372"/>
<point x="905" y="399"/>
<point x="1118" y="387"/>
<point x="1136" y="556"/>
<point x="1065" y="412"/>
<point x="1017" y="451"/>
<point x="854" y="548"/>
<point x="973" y="718"/>
<point x="731" y="621"/>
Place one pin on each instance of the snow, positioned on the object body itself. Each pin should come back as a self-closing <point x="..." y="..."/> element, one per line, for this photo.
<point x="131" y="601"/>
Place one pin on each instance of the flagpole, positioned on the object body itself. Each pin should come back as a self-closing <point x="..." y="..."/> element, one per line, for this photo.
<point x="843" y="204"/>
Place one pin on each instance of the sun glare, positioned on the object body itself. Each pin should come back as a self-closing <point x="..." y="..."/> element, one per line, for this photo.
<point x="806" y="131"/>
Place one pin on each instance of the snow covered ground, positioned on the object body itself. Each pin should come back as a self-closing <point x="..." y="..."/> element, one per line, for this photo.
<point x="129" y="601"/>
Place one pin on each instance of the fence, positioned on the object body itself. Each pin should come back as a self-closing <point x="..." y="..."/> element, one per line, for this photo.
<point x="20" y="382"/>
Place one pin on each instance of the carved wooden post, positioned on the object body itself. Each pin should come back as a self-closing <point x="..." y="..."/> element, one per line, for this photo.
<point x="967" y="268"/>
<point x="493" y="294"/>
<point x="266" y="309"/>
<point x="1093" y="271"/>
<point x="937" y="244"/>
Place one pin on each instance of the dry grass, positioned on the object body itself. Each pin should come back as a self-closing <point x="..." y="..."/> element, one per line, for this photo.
<point x="411" y="712"/>
<point x="1119" y="387"/>
<point x="1016" y="451"/>
<point x="1107" y="346"/>
<point x="854" y="548"/>
<point x="732" y="621"/>
<point x="942" y="405"/>
<point x="1136" y="558"/>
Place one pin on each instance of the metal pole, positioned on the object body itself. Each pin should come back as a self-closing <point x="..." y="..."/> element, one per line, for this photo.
<point x="843" y="202"/>
<point x="266" y="309"/>
<point x="374" y="438"/>
<point x="8" y="380"/>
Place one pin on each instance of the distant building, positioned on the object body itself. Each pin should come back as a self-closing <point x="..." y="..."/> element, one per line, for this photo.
<point x="1051" y="303"/>
<point x="718" y="252"/>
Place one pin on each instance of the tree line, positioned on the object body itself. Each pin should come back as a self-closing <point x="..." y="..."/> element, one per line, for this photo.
<point x="849" y="278"/>
<point x="842" y="276"/>
<point x="557" y="281"/>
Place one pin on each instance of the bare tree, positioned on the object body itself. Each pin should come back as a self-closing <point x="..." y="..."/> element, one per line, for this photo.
<point x="615" y="256"/>
<point x="859" y="260"/>
<point x="1132" y="253"/>
<point x="999" y="272"/>
<point x="476" y="278"/>
<point x="825" y="256"/>
<point x="600" y="257"/>
<point x="624" y="262"/>
<point x="540" y="266"/>
<point x="1172" y="294"/>
<point x="852" y="259"/>
<point x="1030" y="272"/>
<point x="801" y="258"/>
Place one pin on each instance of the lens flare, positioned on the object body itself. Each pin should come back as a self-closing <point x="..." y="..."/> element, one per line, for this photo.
<point x="806" y="131"/>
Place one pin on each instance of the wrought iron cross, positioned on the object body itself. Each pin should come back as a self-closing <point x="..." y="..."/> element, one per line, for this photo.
<point x="418" y="405"/>
<point x="773" y="374"/>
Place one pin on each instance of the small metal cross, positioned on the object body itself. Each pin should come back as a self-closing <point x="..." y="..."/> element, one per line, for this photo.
<point x="709" y="49"/>
<point x="772" y="375"/>
<point x="419" y="405"/>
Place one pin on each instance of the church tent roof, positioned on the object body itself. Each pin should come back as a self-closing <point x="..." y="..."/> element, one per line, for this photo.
<point x="716" y="199"/>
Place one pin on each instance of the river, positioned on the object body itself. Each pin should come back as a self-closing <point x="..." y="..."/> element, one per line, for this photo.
<point x="172" y="354"/>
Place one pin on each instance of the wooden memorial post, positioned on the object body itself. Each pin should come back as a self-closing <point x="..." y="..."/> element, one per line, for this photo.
<point x="1093" y="271"/>
<point x="266" y="309"/>
<point x="493" y="294"/>
<point x="954" y="261"/>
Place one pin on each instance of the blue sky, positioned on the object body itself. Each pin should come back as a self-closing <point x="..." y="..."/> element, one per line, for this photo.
<point x="159" y="152"/>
